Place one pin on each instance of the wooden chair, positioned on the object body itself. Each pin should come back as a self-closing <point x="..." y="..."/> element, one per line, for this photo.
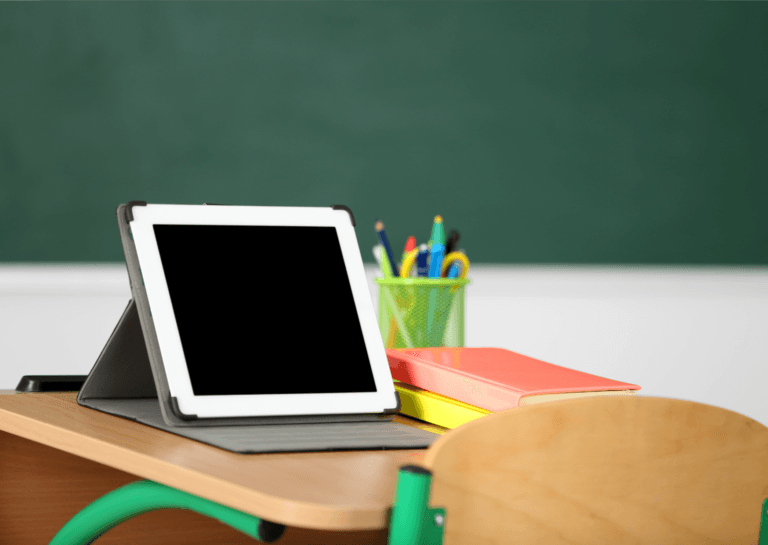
<point x="590" y="471"/>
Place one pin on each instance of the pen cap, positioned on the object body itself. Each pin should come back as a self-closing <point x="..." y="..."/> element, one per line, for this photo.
<point x="410" y="244"/>
<point x="422" y="261"/>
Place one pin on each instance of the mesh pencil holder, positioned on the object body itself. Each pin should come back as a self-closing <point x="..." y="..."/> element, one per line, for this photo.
<point x="420" y="312"/>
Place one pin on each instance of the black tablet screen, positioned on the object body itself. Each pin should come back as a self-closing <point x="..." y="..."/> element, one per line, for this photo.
<point x="264" y="310"/>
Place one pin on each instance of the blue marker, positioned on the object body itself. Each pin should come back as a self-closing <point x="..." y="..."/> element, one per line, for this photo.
<point x="387" y="248"/>
<point x="437" y="251"/>
<point x="422" y="261"/>
<point x="436" y="259"/>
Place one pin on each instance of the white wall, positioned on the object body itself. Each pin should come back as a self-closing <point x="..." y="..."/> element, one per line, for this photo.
<point x="689" y="333"/>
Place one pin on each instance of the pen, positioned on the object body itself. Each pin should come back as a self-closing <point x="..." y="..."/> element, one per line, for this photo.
<point x="408" y="262"/>
<point x="387" y="248"/>
<point x="410" y="244"/>
<point x="422" y="261"/>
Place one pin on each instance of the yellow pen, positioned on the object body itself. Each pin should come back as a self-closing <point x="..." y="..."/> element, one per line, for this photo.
<point x="408" y="262"/>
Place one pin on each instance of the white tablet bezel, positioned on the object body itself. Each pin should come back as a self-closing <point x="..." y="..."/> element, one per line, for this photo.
<point x="174" y="363"/>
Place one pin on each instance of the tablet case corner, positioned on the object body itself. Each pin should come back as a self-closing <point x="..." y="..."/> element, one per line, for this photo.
<point x="129" y="209"/>
<point x="343" y="207"/>
<point x="177" y="411"/>
<point x="398" y="405"/>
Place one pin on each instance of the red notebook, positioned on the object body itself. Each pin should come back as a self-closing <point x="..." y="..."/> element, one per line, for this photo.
<point x="494" y="379"/>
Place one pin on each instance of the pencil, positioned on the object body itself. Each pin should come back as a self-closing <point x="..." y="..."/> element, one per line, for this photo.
<point x="387" y="248"/>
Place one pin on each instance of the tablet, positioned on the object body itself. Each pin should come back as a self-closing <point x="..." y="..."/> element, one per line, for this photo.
<point x="261" y="311"/>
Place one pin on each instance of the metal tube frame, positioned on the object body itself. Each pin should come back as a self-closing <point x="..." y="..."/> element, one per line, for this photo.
<point x="140" y="497"/>
<point x="413" y="521"/>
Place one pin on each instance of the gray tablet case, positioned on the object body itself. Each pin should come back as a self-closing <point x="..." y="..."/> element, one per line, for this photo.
<point x="128" y="380"/>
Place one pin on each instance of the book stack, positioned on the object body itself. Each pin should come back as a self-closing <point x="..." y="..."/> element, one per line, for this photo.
<point x="451" y="386"/>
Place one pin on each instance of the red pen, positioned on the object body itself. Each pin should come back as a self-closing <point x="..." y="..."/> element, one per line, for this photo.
<point x="410" y="244"/>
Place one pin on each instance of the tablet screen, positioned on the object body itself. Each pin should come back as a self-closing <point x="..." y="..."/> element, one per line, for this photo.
<point x="264" y="309"/>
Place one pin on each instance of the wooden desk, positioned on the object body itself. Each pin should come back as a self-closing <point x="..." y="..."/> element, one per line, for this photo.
<point x="56" y="457"/>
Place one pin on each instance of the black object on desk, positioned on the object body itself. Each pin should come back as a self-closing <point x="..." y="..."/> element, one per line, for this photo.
<point x="51" y="383"/>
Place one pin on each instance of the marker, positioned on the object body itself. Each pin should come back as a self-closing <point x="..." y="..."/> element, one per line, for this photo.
<point x="387" y="248"/>
<point x="437" y="251"/>
<point x="422" y="261"/>
<point x="436" y="259"/>
<point x="438" y="233"/>
<point x="453" y="240"/>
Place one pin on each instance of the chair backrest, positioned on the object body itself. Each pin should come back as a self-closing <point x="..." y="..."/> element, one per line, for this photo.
<point x="603" y="470"/>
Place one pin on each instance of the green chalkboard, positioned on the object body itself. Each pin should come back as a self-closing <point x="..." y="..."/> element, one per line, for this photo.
<point x="543" y="132"/>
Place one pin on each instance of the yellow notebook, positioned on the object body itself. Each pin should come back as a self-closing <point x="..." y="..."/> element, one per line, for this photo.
<point x="434" y="408"/>
<point x="449" y="413"/>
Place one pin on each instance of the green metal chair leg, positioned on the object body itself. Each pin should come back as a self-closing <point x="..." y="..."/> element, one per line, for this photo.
<point x="140" y="497"/>
<point x="763" y="536"/>
<point x="413" y="521"/>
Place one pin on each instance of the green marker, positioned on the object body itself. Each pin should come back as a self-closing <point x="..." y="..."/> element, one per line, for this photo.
<point x="438" y="232"/>
<point x="436" y="253"/>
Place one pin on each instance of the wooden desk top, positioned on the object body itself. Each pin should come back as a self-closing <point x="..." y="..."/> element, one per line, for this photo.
<point x="323" y="490"/>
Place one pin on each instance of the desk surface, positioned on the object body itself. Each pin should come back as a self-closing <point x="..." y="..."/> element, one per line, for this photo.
<point x="323" y="490"/>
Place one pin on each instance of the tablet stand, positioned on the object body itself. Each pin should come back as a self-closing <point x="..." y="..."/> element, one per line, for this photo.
<point x="123" y="375"/>
<point x="129" y="380"/>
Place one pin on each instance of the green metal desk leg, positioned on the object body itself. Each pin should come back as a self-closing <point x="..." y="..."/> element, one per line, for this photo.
<point x="140" y="497"/>
<point x="413" y="521"/>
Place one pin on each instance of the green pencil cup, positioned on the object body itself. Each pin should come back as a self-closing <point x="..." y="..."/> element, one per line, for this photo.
<point x="421" y="312"/>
